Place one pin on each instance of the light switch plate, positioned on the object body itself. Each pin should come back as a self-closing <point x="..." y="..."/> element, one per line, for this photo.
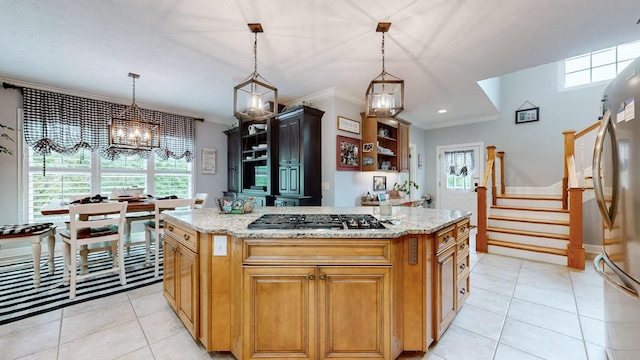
<point x="219" y="245"/>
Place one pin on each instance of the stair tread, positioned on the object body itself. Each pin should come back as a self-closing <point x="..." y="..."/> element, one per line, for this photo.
<point x="530" y="197"/>
<point x="526" y="208"/>
<point x="529" y="233"/>
<point x="535" y="221"/>
<point x="534" y="248"/>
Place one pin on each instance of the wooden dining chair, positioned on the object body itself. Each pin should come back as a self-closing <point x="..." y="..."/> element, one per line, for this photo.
<point x="99" y="224"/>
<point x="201" y="200"/>
<point x="156" y="226"/>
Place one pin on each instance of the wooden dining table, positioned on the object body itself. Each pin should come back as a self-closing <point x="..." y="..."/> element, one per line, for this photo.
<point x="142" y="205"/>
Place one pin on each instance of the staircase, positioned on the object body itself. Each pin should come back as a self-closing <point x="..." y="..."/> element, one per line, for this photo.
<point x="533" y="227"/>
<point x="536" y="227"/>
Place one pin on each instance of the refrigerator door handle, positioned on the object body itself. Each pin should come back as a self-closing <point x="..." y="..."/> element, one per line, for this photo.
<point x="623" y="285"/>
<point x="608" y="215"/>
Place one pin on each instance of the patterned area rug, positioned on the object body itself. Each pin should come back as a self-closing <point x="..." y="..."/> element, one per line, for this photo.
<point x="19" y="299"/>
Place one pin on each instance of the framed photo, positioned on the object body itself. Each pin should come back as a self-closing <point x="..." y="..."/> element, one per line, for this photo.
<point x="208" y="161"/>
<point x="367" y="147"/>
<point x="379" y="183"/>
<point x="347" y="153"/>
<point x="349" y="125"/>
<point x="383" y="197"/>
<point x="527" y="115"/>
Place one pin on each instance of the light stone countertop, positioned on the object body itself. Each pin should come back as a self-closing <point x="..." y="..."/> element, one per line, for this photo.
<point x="413" y="220"/>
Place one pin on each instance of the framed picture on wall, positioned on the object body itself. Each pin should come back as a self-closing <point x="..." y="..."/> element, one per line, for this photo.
<point x="208" y="161"/>
<point x="379" y="183"/>
<point x="527" y="115"/>
<point x="349" y="125"/>
<point x="347" y="153"/>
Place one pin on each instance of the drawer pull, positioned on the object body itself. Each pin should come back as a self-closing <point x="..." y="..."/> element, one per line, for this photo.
<point x="171" y="228"/>
<point x="186" y="236"/>
<point x="462" y="246"/>
<point x="463" y="291"/>
<point x="463" y="266"/>
<point x="447" y="238"/>
<point x="464" y="229"/>
<point x="323" y="276"/>
<point x="311" y="277"/>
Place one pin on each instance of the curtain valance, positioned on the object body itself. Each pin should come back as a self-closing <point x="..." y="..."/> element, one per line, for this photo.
<point x="65" y="124"/>
<point x="459" y="163"/>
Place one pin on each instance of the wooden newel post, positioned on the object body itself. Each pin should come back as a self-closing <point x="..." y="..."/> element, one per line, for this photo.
<point x="481" y="237"/>
<point x="569" y="140"/>
<point x="491" y="156"/>
<point x="502" y="187"/>
<point x="575" y="250"/>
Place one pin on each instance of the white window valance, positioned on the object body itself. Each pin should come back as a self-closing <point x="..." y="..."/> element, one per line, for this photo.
<point x="459" y="163"/>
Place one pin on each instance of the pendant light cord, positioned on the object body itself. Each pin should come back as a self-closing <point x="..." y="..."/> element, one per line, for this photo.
<point x="255" y="52"/>
<point x="383" y="52"/>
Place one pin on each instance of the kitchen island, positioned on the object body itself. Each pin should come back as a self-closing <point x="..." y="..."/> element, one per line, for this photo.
<point x="316" y="293"/>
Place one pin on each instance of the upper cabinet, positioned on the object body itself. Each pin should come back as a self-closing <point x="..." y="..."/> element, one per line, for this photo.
<point x="233" y="159"/>
<point x="385" y="143"/>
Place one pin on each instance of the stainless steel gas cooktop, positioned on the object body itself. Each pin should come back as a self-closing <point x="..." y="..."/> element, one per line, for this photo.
<point x="315" y="221"/>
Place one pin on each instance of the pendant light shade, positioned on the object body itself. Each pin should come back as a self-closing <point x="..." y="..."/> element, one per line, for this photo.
<point x="129" y="130"/>
<point x="255" y="98"/>
<point x="385" y="95"/>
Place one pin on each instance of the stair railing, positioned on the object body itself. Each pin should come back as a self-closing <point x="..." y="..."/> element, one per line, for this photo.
<point x="572" y="196"/>
<point x="482" y="237"/>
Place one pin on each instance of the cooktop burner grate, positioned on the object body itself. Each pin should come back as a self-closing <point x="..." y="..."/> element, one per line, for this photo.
<point x="316" y="221"/>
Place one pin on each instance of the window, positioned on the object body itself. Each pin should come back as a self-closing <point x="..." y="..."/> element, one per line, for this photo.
<point x="71" y="175"/>
<point x="599" y="65"/>
<point x="459" y="165"/>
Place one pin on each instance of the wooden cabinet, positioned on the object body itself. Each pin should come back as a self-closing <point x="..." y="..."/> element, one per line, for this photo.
<point x="389" y="139"/>
<point x="300" y="156"/>
<point x="352" y="315"/>
<point x="445" y="289"/>
<point x="181" y="281"/>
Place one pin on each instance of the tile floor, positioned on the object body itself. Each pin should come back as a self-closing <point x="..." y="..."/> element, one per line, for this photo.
<point x="517" y="309"/>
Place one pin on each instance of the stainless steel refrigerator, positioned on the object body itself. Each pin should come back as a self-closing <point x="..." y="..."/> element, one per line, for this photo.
<point x="616" y="177"/>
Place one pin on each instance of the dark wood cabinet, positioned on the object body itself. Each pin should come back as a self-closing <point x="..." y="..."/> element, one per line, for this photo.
<point x="300" y="157"/>
<point x="233" y="160"/>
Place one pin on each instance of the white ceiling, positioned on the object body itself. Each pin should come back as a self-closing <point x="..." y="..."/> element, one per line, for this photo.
<point x="191" y="53"/>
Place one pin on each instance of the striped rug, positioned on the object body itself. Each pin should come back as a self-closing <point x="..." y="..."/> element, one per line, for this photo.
<point x="19" y="299"/>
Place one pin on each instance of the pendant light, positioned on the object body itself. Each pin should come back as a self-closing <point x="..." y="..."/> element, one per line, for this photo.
<point x="129" y="130"/>
<point x="385" y="95"/>
<point x="255" y="98"/>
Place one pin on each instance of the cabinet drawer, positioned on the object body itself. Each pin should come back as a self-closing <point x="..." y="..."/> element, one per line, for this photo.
<point x="183" y="235"/>
<point x="462" y="245"/>
<point x="462" y="265"/>
<point x="446" y="238"/>
<point x="462" y="228"/>
<point x="462" y="292"/>
<point x="316" y="251"/>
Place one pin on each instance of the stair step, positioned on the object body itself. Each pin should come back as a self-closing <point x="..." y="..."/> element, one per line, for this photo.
<point x="564" y="211"/>
<point x="538" y="249"/>
<point x="533" y="221"/>
<point x="529" y="233"/>
<point x="530" y="197"/>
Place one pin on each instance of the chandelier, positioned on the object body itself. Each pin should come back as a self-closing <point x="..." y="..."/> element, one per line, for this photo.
<point x="255" y="98"/>
<point x="385" y="95"/>
<point x="129" y="129"/>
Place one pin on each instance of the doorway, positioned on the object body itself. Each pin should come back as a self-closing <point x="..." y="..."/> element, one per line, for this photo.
<point x="458" y="173"/>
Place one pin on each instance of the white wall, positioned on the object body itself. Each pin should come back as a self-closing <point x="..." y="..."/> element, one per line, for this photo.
<point x="10" y="100"/>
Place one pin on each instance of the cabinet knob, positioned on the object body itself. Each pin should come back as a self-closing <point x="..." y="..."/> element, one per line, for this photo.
<point x="170" y="228"/>
<point x="462" y="246"/>
<point x="447" y="238"/>
<point x="186" y="236"/>
<point x="323" y="276"/>
<point x="463" y="291"/>
<point x="311" y="277"/>
<point x="463" y="266"/>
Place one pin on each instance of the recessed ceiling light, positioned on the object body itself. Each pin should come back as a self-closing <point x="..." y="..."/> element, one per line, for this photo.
<point x="442" y="111"/>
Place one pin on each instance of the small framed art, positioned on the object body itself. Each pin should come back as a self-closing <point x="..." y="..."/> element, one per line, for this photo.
<point x="527" y="115"/>
<point x="379" y="183"/>
<point x="349" y="125"/>
<point x="347" y="153"/>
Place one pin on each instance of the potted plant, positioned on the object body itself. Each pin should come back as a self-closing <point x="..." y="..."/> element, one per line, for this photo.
<point x="405" y="187"/>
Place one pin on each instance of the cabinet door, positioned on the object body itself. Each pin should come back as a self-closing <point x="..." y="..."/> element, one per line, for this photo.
<point x="354" y="312"/>
<point x="188" y="304"/>
<point x="289" y="141"/>
<point x="289" y="179"/>
<point x="169" y="272"/>
<point x="279" y="313"/>
<point x="403" y="147"/>
<point x="445" y="283"/>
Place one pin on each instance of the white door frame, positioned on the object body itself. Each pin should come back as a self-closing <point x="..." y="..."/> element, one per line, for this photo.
<point x="480" y="165"/>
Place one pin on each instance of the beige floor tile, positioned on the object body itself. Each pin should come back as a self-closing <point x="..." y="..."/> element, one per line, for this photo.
<point x="503" y="261"/>
<point x="55" y="315"/>
<point x="562" y="322"/>
<point x="420" y="356"/>
<point x="479" y="321"/>
<point x="107" y="344"/>
<point x="42" y="337"/>
<point x="495" y="271"/>
<point x="460" y="344"/>
<point x="93" y="305"/>
<point x="492" y="283"/>
<point x="140" y="354"/>
<point x="179" y="346"/>
<point x="545" y="268"/>
<point x="562" y="300"/>
<point x="596" y="352"/>
<point x="556" y="281"/>
<point x="593" y="331"/>
<point x="488" y="300"/>
<point x="145" y="290"/>
<point x="47" y="354"/>
<point x="505" y="352"/>
<point x="160" y="325"/>
<point x="590" y="308"/>
<point x="541" y="342"/>
<point x="150" y="303"/>
<point x="103" y="318"/>
<point x="592" y="290"/>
